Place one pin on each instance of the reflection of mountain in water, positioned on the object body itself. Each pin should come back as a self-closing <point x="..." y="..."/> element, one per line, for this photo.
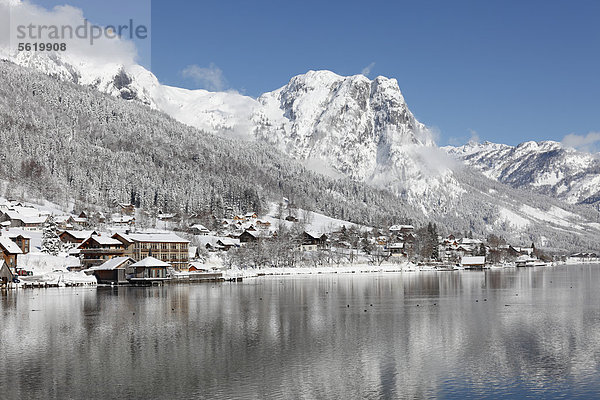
<point x="497" y="333"/>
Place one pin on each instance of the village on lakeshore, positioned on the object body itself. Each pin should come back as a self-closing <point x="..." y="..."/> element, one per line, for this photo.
<point x="43" y="247"/>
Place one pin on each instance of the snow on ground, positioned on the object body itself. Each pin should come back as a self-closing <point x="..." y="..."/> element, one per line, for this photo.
<point x="214" y="261"/>
<point x="552" y="216"/>
<point x="314" y="221"/>
<point x="514" y="219"/>
<point x="43" y="206"/>
<point x="342" y="269"/>
<point x="594" y="225"/>
<point x="51" y="269"/>
<point x="560" y="213"/>
<point x="549" y="178"/>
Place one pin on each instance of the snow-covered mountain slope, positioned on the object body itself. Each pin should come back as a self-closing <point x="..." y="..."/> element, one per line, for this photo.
<point x="544" y="167"/>
<point x="352" y="122"/>
<point x="356" y="127"/>
<point x="221" y="112"/>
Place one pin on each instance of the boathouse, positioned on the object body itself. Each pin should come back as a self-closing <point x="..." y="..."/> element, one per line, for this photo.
<point x="112" y="271"/>
<point x="148" y="270"/>
<point x="472" y="262"/>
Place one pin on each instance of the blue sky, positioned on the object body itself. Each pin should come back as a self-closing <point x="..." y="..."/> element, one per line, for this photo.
<point x="505" y="71"/>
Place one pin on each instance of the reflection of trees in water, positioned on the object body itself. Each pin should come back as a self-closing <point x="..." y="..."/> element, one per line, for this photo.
<point x="296" y="336"/>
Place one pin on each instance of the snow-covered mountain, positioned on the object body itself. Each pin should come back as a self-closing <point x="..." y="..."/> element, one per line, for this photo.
<point x="342" y="126"/>
<point x="545" y="167"/>
<point x="221" y="112"/>
<point x="356" y="127"/>
<point x="353" y="123"/>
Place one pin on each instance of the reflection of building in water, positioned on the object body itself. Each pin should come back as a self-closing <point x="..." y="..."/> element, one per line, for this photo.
<point x="179" y="299"/>
<point x="311" y="336"/>
<point x="425" y="284"/>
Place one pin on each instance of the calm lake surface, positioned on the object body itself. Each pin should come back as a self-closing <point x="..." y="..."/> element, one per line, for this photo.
<point x="511" y="333"/>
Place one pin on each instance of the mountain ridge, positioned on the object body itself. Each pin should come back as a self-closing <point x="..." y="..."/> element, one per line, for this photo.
<point x="545" y="167"/>
<point x="345" y="126"/>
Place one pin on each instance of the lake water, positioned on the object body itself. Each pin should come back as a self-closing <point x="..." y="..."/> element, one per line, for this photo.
<point x="512" y="333"/>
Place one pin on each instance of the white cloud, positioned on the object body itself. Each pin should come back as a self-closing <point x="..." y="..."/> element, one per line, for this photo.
<point x="474" y="136"/>
<point x="589" y="143"/>
<point x="14" y="14"/>
<point x="210" y="78"/>
<point x="435" y="133"/>
<point x="459" y="141"/>
<point x="366" y="71"/>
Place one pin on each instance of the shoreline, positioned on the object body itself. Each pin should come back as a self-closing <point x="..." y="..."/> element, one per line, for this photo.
<point x="74" y="279"/>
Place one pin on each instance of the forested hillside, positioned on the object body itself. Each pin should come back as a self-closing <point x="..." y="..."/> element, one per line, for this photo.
<point x="62" y="141"/>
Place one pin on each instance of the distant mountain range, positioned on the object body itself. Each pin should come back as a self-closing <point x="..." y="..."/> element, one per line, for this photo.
<point x="545" y="167"/>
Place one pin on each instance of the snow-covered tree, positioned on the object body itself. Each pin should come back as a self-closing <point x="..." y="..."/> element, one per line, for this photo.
<point x="51" y="242"/>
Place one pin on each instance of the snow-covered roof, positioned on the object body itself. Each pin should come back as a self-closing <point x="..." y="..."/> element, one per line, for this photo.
<point x="473" y="260"/>
<point x="229" y="241"/>
<point x="61" y="218"/>
<point x="150" y="262"/>
<point x="199" y="227"/>
<point x="28" y="211"/>
<point x="396" y="246"/>
<point x="26" y="219"/>
<point x="401" y="227"/>
<point x="207" y="267"/>
<point x="111" y="264"/>
<point x="155" y="237"/>
<point x="314" y="234"/>
<point x="122" y="219"/>
<point x="123" y="236"/>
<point x="82" y="235"/>
<point x="16" y="233"/>
<point x="106" y="240"/>
<point x="470" y="241"/>
<point x="200" y="265"/>
<point x="165" y="216"/>
<point x="10" y="246"/>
